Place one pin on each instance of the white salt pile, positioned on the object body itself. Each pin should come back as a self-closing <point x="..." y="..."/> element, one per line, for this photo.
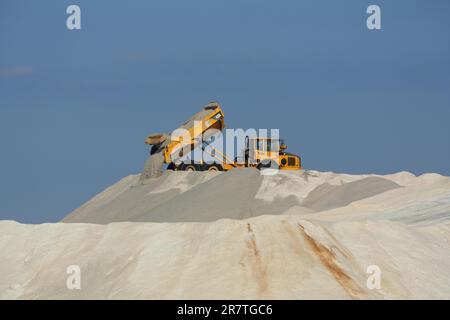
<point x="241" y="235"/>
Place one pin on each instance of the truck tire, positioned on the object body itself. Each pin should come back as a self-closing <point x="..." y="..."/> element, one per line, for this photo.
<point x="189" y="167"/>
<point x="214" y="167"/>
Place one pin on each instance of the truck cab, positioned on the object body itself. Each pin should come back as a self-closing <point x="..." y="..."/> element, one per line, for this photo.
<point x="268" y="152"/>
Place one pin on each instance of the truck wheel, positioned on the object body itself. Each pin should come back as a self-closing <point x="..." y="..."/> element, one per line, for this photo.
<point x="214" y="167"/>
<point x="189" y="167"/>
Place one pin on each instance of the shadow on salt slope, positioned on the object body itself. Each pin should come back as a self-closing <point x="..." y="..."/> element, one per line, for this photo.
<point x="230" y="195"/>
<point x="134" y="199"/>
<point x="327" y="196"/>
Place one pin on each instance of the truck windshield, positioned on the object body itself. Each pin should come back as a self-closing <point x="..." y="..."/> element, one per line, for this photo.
<point x="267" y="145"/>
<point x="274" y="145"/>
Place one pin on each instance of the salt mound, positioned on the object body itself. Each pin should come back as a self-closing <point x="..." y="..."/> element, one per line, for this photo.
<point x="183" y="196"/>
<point x="264" y="243"/>
<point x="267" y="257"/>
<point x="236" y="194"/>
<point x="403" y="178"/>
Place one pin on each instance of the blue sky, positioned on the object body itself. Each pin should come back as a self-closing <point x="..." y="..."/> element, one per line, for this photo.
<point x="75" y="106"/>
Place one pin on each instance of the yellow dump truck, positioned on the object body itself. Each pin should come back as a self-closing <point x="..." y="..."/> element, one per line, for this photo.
<point x="259" y="152"/>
